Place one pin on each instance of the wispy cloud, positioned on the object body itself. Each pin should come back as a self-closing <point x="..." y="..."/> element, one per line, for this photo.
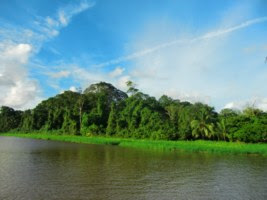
<point x="209" y="35"/>
<point x="59" y="74"/>
<point x="234" y="28"/>
<point x="50" y="26"/>
<point x="43" y="29"/>
<point x="65" y="14"/>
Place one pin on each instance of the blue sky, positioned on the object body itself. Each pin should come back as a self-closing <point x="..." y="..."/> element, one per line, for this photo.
<point x="208" y="51"/>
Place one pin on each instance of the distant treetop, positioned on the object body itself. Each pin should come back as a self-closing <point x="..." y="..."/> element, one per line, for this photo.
<point x="108" y="89"/>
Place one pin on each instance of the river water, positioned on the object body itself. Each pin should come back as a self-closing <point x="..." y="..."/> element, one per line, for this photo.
<point x="39" y="169"/>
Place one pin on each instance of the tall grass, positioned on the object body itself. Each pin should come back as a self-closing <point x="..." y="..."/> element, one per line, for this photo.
<point x="190" y="146"/>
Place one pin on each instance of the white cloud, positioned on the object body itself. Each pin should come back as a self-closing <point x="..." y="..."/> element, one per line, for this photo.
<point x="73" y="89"/>
<point x="195" y="70"/>
<point x="17" y="45"/>
<point x="16" y="53"/>
<point x="85" y="77"/>
<point x="202" y="69"/>
<point x="183" y="71"/>
<point x="192" y="97"/>
<point x="16" y="88"/>
<point x="121" y="83"/>
<point x="116" y="72"/>
<point x="256" y="102"/>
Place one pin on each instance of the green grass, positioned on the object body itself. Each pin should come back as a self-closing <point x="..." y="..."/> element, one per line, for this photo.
<point x="189" y="146"/>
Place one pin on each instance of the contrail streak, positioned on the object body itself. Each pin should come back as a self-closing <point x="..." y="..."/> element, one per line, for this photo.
<point x="210" y="35"/>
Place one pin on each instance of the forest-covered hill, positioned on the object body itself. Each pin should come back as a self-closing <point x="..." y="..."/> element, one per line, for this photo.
<point x="103" y="109"/>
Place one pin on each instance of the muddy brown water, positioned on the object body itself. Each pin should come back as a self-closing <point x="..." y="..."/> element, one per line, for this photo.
<point x="39" y="169"/>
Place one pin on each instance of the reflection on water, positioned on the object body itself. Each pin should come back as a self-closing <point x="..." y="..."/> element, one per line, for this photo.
<point x="37" y="169"/>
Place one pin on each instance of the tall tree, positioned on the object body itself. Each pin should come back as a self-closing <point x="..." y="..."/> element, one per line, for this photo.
<point x="203" y="125"/>
<point x="221" y="128"/>
<point x="132" y="90"/>
<point x="112" y="124"/>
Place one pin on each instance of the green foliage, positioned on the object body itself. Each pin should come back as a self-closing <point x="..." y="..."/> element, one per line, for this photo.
<point x="228" y="112"/>
<point x="85" y="124"/>
<point x="203" y="125"/>
<point x="27" y="124"/>
<point x="251" y="112"/>
<point x="105" y="110"/>
<point x="70" y="123"/>
<point x="249" y="126"/>
<point x="112" y="124"/>
<point x="221" y="130"/>
<point x="9" y="119"/>
<point x="131" y="88"/>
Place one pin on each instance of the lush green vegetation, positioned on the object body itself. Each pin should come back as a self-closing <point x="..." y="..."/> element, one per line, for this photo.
<point x="103" y="110"/>
<point x="189" y="146"/>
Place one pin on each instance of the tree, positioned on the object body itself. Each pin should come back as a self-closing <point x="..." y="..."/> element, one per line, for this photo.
<point x="252" y="112"/>
<point x="9" y="119"/>
<point x="27" y="122"/>
<point x="222" y="131"/>
<point x="203" y="126"/>
<point x="201" y="129"/>
<point x="164" y="101"/>
<point x="106" y="89"/>
<point x="227" y="112"/>
<point x="80" y="105"/>
<point x="85" y="124"/>
<point x="103" y="109"/>
<point x="131" y="88"/>
<point x="112" y="124"/>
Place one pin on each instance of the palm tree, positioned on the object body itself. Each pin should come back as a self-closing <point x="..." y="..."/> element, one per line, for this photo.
<point x="222" y="128"/>
<point x="202" y="127"/>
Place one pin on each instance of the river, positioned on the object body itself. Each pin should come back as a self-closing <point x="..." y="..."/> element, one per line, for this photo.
<point x="39" y="169"/>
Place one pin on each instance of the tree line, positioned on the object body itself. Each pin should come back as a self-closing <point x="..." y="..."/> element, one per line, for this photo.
<point x="105" y="110"/>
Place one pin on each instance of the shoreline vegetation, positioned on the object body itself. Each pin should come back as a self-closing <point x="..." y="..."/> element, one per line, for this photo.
<point x="186" y="146"/>
<point x="103" y="111"/>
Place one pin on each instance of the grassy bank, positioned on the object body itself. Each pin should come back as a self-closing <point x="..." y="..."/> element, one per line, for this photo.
<point x="190" y="146"/>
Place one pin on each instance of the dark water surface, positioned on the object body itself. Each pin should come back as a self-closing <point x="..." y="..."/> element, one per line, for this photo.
<point x="39" y="169"/>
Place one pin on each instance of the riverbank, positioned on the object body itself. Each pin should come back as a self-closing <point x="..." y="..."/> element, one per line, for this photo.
<point x="189" y="146"/>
